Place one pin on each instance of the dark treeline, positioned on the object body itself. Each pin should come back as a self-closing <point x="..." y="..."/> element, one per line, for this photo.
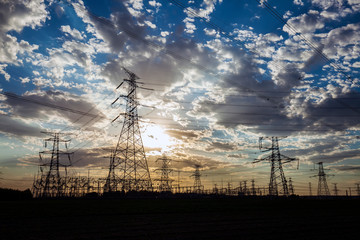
<point x="12" y="194"/>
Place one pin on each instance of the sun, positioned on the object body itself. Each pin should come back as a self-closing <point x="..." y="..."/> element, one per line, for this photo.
<point x="154" y="136"/>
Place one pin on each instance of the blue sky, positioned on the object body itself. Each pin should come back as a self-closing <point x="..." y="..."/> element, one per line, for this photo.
<point x="224" y="73"/>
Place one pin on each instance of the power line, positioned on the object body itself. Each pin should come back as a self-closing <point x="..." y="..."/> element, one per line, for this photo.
<point x="17" y="97"/>
<point x="277" y="15"/>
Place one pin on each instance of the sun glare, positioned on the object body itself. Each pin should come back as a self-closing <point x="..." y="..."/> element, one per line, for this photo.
<point x="155" y="137"/>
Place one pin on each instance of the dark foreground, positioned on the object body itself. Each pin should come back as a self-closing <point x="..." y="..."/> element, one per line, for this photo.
<point x="180" y="219"/>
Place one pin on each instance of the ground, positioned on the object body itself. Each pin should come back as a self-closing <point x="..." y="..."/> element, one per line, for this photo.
<point x="180" y="219"/>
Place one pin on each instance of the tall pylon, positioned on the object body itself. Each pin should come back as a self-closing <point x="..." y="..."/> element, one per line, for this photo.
<point x="323" y="189"/>
<point x="276" y="159"/>
<point x="310" y="191"/>
<point x="291" y="187"/>
<point x="198" y="188"/>
<point x="129" y="170"/>
<point x="165" y="181"/>
<point x="51" y="180"/>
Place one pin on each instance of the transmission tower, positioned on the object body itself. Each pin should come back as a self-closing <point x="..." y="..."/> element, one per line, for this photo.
<point x="165" y="181"/>
<point x="276" y="159"/>
<point x="335" y="189"/>
<point x="51" y="180"/>
<point x="253" y="191"/>
<point x="323" y="189"/>
<point x="310" y="191"/>
<point x="291" y="187"/>
<point x="245" y="188"/>
<point x="197" y="181"/>
<point x="128" y="170"/>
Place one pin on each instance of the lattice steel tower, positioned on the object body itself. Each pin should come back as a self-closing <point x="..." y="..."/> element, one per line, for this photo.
<point x="323" y="189"/>
<point x="276" y="159"/>
<point x="129" y="169"/>
<point x="197" y="181"/>
<point x="51" y="180"/>
<point x="165" y="181"/>
<point x="291" y="187"/>
<point x="336" y="190"/>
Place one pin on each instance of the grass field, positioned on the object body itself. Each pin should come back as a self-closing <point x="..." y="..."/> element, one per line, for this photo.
<point x="180" y="219"/>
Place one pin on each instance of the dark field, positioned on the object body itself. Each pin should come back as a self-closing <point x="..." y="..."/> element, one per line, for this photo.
<point x="180" y="219"/>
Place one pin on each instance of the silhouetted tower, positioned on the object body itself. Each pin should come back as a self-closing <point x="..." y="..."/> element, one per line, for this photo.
<point x="253" y="190"/>
<point x="165" y="181"/>
<point x="323" y="189"/>
<point x="335" y="189"/>
<point x="276" y="159"/>
<point x="51" y="180"/>
<point x="310" y="191"/>
<point x="245" y="188"/>
<point x="128" y="165"/>
<point x="197" y="181"/>
<point x="291" y="187"/>
<point x="358" y="188"/>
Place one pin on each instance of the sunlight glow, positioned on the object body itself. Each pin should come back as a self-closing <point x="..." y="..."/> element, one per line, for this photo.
<point x="155" y="137"/>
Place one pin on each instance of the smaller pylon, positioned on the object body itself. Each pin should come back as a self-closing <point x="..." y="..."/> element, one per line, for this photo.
<point x="335" y="189"/>
<point x="291" y="187"/>
<point x="323" y="189"/>
<point x="52" y="178"/>
<point x="245" y="188"/>
<point x="198" y="188"/>
<point x="253" y="190"/>
<point x="165" y="181"/>
<point x="276" y="159"/>
<point x="358" y="188"/>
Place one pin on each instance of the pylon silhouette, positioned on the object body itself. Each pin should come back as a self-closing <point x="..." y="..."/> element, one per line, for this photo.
<point x="51" y="180"/>
<point x="276" y="159"/>
<point x="128" y="170"/>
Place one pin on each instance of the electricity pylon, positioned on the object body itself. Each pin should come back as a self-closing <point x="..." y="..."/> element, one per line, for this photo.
<point x="49" y="181"/>
<point x="253" y="191"/>
<point x="128" y="170"/>
<point x="197" y="181"/>
<point x="310" y="191"/>
<point x="291" y="187"/>
<point x="336" y="190"/>
<point x="165" y="181"/>
<point x="276" y="159"/>
<point x="323" y="189"/>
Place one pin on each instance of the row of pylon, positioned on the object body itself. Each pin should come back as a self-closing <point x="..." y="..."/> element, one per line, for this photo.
<point x="128" y="168"/>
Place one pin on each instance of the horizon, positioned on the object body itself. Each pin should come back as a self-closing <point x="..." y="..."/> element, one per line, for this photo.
<point x="214" y="77"/>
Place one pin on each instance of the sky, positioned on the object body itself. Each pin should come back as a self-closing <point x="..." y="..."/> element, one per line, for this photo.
<point x="222" y="73"/>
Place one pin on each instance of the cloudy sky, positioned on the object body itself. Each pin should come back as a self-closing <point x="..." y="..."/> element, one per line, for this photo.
<point x="223" y="74"/>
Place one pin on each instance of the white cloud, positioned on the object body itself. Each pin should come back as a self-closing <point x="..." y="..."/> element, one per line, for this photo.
<point x="298" y="2"/>
<point x="154" y="3"/>
<point x="355" y="5"/>
<point x="73" y="32"/>
<point x="10" y="48"/>
<point x="305" y="23"/>
<point x="137" y="4"/>
<point x="3" y="72"/>
<point x="17" y="14"/>
<point x="24" y="80"/>
<point x="210" y="32"/>
<point x="356" y="65"/>
<point x="164" y="33"/>
<point x="206" y="8"/>
<point x="150" y="24"/>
